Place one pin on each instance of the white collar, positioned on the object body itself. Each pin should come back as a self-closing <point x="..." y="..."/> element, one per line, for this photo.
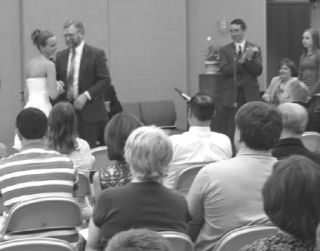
<point x="199" y="129"/>
<point x="79" y="48"/>
<point x="242" y="44"/>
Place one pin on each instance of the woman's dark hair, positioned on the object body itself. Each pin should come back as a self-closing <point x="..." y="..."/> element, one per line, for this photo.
<point x="116" y="133"/>
<point x="39" y="38"/>
<point x="291" y="196"/>
<point x="62" y="124"/>
<point x="291" y="65"/>
<point x="315" y="39"/>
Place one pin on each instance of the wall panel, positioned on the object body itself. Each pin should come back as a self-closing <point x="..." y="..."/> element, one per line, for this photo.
<point x="148" y="50"/>
<point x="10" y="68"/>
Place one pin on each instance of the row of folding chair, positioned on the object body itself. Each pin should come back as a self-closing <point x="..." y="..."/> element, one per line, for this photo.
<point x="36" y="244"/>
<point x="311" y="140"/>
<point x="54" y="217"/>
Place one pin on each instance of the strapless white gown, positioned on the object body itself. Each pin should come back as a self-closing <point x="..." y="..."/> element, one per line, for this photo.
<point x="38" y="97"/>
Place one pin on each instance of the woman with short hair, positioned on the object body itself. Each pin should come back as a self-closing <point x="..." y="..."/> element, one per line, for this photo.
<point x="287" y="74"/>
<point x="145" y="202"/>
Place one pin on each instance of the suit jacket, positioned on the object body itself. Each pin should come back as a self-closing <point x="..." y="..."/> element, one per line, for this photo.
<point x="93" y="77"/>
<point x="246" y="75"/>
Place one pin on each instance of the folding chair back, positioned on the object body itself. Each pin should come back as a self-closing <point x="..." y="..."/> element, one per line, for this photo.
<point x="238" y="238"/>
<point x="179" y="241"/>
<point x="36" y="244"/>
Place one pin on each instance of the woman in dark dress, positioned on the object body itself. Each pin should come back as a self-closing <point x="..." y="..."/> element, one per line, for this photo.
<point x="309" y="67"/>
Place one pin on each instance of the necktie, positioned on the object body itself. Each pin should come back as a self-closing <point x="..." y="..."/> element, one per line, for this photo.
<point x="239" y="51"/>
<point x="70" y="78"/>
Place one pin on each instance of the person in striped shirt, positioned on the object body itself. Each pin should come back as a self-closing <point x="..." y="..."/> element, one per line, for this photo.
<point x="34" y="171"/>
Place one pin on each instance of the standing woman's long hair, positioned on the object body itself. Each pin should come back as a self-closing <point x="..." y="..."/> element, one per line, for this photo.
<point x="315" y="40"/>
<point x="62" y="132"/>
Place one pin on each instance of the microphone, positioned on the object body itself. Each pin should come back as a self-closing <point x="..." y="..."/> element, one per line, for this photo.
<point x="185" y="96"/>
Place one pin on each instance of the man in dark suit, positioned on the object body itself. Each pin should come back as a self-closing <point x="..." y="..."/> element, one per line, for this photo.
<point x="84" y="71"/>
<point x="240" y="66"/>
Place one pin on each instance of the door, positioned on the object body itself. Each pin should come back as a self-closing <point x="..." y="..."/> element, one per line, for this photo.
<point x="286" y="22"/>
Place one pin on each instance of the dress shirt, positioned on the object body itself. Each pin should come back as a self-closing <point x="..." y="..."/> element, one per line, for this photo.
<point x="198" y="145"/>
<point x="77" y="59"/>
<point x="240" y="45"/>
<point x="228" y="194"/>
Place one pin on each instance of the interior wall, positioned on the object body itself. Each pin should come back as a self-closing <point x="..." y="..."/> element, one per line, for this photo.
<point x="148" y="50"/>
<point x="207" y="18"/>
<point x="10" y="68"/>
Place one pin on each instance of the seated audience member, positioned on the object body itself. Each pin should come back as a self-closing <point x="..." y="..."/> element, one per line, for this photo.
<point x="294" y="121"/>
<point x="227" y="194"/>
<point x="62" y="137"/>
<point x="287" y="74"/>
<point x="198" y="145"/>
<point x="291" y="200"/>
<point x="138" y="240"/>
<point x="37" y="171"/>
<point x="116" y="133"/>
<point x="297" y="92"/>
<point x="145" y="202"/>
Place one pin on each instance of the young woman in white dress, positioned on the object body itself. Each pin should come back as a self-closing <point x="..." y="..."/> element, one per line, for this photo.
<point x="41" y="81"/>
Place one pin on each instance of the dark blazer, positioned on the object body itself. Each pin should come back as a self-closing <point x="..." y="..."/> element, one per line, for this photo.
<point x="93" y="77"/>
<point x="246" y="75"/>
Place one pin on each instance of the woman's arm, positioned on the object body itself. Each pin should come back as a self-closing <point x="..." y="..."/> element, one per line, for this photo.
<point x="93" y="241"/>
<point x="53" y="88"/>
<point x="316" y="87"/>
<point x="96" y="185"/>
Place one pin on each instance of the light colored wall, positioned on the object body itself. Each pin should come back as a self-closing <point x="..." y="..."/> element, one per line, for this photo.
<point x="10" y="68"/>
<point x="148" y="50"/>
<point x="203" y="21"/>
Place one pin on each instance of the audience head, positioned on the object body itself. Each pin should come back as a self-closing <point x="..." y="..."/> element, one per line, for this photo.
<point x="138" y="240"/>
<point x="62" y="130"/>
<point x="31" y="124"/>
<point x="237" y="30"/>
<point x="294" y="118"/>
<point x="116" y="133"/>
<point x="310" y="39"/>
<point x="200" y="109"/>
<point x="287" y="68"/>
<point x="291" y="196"/>
<point x="73" y="33"/>
<point x="45" y="41"/>
<point x="148" y="152"/>
<point x="258" y="125"/>
<point x="296" y="91"/>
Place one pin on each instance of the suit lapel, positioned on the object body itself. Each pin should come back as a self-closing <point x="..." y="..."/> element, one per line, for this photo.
<point x="64" y="64"/>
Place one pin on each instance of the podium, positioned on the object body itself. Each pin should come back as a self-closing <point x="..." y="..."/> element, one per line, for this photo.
<point x="211" y="84"/>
